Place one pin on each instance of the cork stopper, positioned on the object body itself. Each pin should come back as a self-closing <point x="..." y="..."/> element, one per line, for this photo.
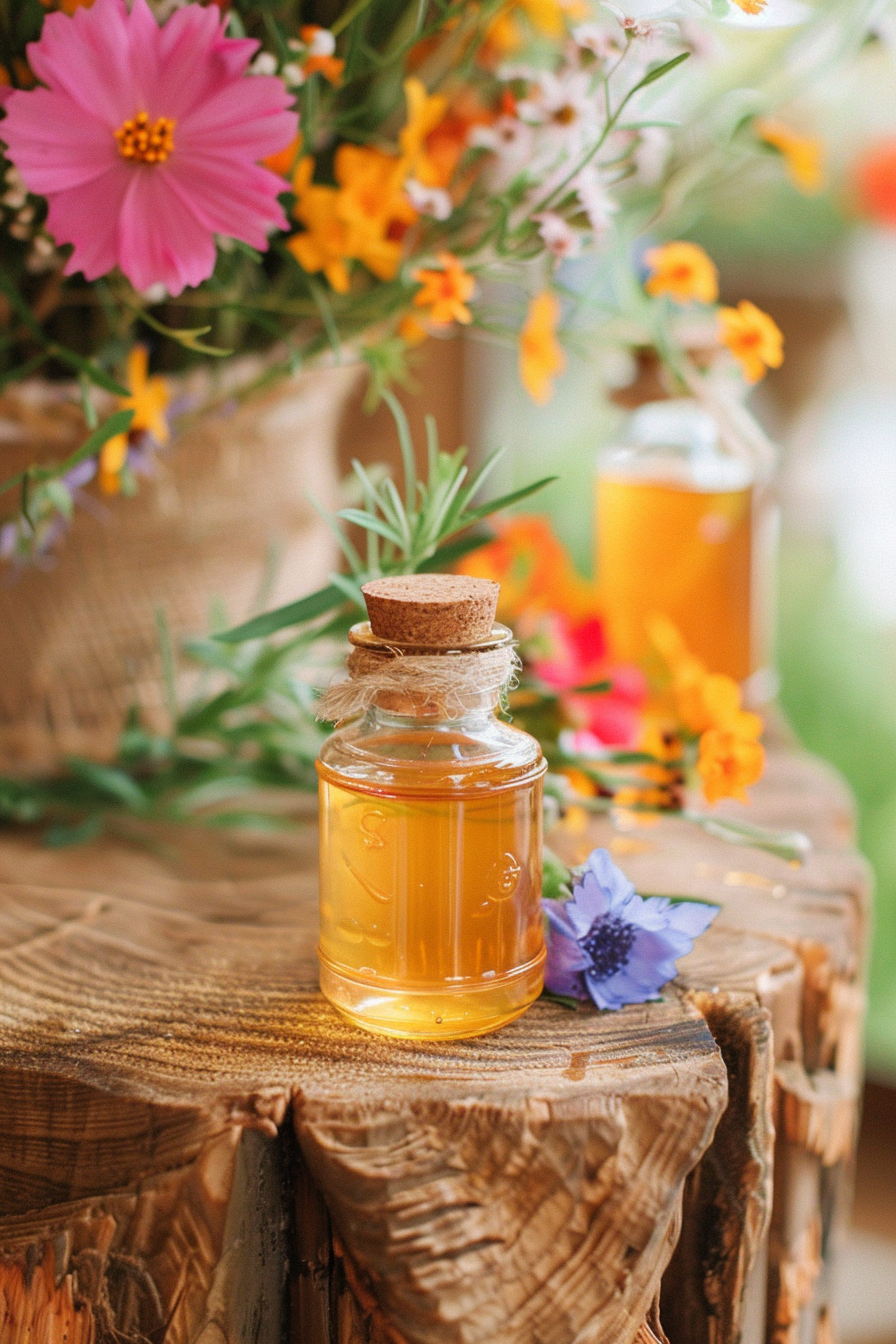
<point x="437" y="611"/>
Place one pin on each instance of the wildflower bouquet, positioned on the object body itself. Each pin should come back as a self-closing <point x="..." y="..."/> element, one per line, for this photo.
<point x="186" y="182"/>
<point x="616" y="739"/>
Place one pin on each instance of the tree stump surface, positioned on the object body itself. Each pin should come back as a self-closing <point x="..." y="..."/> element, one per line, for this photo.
<point x="196" y="1149"/>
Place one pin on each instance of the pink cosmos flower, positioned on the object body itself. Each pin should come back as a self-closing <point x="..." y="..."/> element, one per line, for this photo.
<point x="146" y="140"/>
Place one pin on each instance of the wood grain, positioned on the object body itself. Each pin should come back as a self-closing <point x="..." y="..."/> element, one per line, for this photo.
<point x="207" y="1152"/>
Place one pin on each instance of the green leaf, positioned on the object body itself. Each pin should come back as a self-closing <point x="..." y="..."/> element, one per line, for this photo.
<point x="556" y="877"/>
<point x="114" y="783"/>
<point x="61" y="836"/>
<point x="504" y="502"/>
<point x="90" y="370"/>
<point x="563" y="1000"/>
<point x="452" y="551"/>
<point x="593" y="688"/>
<point x="119" y="423"/>
<point x="294" y="613"/>
<point x="658" y="71"/>
<point x="372" y="524"/>
<point x="60" y="497"/>
<point x="792" y="846"/>
<point x="187" y="337"/>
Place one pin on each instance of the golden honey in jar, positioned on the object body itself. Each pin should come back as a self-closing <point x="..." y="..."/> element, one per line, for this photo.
<point x="430" y="822"/>
<point x="677" y="535"/>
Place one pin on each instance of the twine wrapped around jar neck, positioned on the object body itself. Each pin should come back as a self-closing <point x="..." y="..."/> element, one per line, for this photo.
<point x="420" y="682"/>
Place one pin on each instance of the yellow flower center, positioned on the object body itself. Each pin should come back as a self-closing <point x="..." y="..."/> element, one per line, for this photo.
<point x="143" y="141"/>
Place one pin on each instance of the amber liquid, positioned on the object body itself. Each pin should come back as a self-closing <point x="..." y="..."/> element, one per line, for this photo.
<point x="681" y="552"/>
<point x="430" y="922"/>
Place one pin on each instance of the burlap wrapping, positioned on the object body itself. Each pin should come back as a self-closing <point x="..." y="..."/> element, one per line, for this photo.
<point x="444" y="684"/>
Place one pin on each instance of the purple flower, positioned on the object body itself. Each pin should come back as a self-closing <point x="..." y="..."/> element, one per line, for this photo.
<point x="612" y="945"/>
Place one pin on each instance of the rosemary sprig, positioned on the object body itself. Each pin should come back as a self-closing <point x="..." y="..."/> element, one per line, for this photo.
<point x="419" y="531"/>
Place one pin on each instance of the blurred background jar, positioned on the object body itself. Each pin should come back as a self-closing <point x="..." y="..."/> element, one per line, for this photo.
<point x="685" y="527"/>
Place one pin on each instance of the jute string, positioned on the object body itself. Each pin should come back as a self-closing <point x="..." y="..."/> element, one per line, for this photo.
<point x="442" y="683"/>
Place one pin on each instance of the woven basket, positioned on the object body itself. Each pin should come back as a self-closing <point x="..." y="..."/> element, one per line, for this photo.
<point x="78" y="641"/>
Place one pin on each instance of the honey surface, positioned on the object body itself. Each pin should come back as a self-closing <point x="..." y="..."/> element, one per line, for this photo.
<point x="683" y="553"/>
<point x="430" y="899"/>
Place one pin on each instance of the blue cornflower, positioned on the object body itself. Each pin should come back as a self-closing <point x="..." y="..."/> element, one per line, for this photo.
<point x="612" y="945"/>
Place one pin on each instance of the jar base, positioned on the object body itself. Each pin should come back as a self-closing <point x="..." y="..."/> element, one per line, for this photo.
<point x="439" y="1013"/>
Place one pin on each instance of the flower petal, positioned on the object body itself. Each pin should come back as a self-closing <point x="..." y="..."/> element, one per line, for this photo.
<point x="88" y="217"/>
<point x="238" y="208"/>
<point x="198" y="28"/>
<point x="87" y="56"/>
<point x="248" y="118"/>
<point x="558" y="918"/>
<point x="161" y="239"/>
<point x="612" y="879"/>
<point x="54" y="143"/>
<point x="692" y="917"/>
<point x="589" y="902"/>
<point x="564" y="966"/>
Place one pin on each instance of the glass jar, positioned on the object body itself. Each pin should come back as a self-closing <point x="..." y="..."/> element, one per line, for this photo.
<point x="685" y="529"/>
<point x="430" y="858"/>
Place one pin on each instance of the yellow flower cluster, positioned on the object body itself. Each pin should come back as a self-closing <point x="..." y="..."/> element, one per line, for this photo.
<point x="685" y="273"/>
<point x="708" y="706"/>
<point x="365" y="216"/>
<point x="148" y="400"/>
<point x="803" y="154"/>
<point x="541" y="356"/>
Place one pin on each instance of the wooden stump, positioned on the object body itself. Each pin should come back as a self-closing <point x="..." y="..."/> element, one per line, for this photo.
<point x="195" y="1149"/>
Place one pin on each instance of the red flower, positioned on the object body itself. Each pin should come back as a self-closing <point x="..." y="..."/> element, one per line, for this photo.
<point x="875" y="182"/>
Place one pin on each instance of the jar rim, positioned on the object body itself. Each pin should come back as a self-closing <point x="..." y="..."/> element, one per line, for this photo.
<point x="362" y="637"/>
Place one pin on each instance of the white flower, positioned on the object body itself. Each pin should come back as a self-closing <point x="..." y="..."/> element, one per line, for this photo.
<point x="641" y="28"/>
<point x="592" y="38"/>
<point x="512" y="143"/>
<point x="559" y="238"/>
<point x="776" y="14"/>
<point x="264" y="64"/>
<point x="432" y="201"/>
<point x="595" y="200"/>
<point x="566" y="111"/>
<point x="293" y="75"/>
<point x="323" y="43"/>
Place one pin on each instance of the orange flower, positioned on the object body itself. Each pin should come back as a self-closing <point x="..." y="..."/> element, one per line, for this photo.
<point x="411" y="331"/>
<point x="445" y="292"/>
<point x="803" y="154"/>
<point x="751" y="6"/>
<point x="714" y="701"/>
<point x="684" y="272"/>
<point x="729" y="762"/>
<point x="547" y="17"/>
<point x="425" y="113"/>
<point x="321" y="45"/>
<point x="875" y="180"/>
<point x="364" y="217"/>
<point x="285" y="161"/>
<point x="534" y="570"/>
<point x="324" y="247"/>
<point x="373" y="206"/>
<point x="753" y="338"/>
<point x="541" y="356"/>
<point x="148" y="400"/>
